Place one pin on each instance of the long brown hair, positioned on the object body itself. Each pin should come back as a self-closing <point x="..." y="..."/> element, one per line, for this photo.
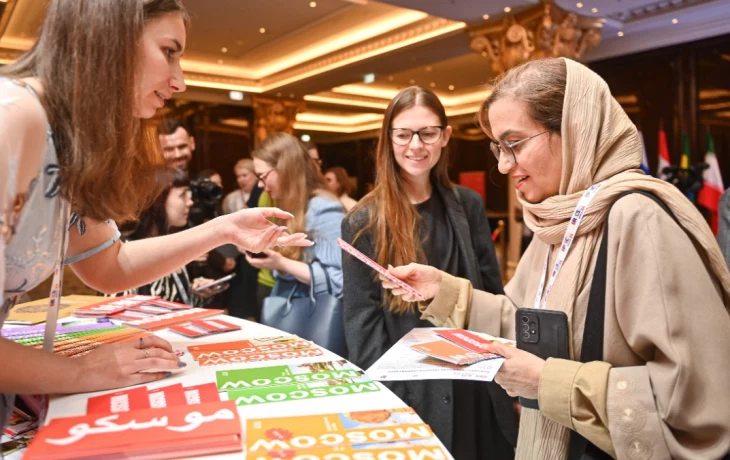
<point x="392" y="219"/>
<point x="299" y="181"/>
<point x="345" y="187"/>
<point x="86" y="59"/>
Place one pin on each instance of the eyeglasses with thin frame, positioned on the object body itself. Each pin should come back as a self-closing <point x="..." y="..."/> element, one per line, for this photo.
<point x="427" y="135"/>
<point x="262" y="177"/>
<point x="508" y="149"/>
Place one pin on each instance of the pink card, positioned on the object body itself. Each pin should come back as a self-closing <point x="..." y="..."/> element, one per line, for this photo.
<point x="201" y="394"/>
<point x="120" y="401"/>
<point x="375" y="266"/>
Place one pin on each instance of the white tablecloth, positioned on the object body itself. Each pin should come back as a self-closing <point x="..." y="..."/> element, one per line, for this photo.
<point x="72" y="405"/>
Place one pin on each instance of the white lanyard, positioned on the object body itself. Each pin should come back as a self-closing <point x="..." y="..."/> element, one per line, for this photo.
<point x="570" y="233"/>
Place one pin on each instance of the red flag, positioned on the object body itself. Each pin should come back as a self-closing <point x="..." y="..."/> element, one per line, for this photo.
<point x="664" y="160"/>
<point x="712" y="188"/>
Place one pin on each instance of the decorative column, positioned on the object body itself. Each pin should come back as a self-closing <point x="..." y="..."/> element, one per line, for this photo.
<point x="274" y="116"/>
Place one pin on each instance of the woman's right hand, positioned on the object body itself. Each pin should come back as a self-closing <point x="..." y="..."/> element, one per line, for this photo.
<point x="120" y="364"/>
<point x="423" y="278"/>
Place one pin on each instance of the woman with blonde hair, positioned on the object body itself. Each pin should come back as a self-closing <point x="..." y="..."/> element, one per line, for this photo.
<point x="248" y="193"/>
<point x="659" y="386"/>
<point x="72" y="138"/>
<point x="338" y="183"/>
<point x="416" y="213"/>
<point x="286" y="172"/>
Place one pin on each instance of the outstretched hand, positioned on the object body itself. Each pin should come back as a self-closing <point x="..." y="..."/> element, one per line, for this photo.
<point x="253" y="231"/>
<point x="423" y="278"/>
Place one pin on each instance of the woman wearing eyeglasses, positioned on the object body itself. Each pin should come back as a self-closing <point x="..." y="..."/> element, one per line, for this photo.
<point x="287" y="173"/>
<point x="416" y="214"/>
<point x="653" y="381"/>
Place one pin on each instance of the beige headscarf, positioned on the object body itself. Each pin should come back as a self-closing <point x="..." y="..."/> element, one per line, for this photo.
<point x="600" y="143"/>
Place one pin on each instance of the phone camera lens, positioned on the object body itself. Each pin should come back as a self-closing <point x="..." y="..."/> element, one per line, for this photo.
<point x="525" y="335"/>
<point x="525" y="327"/>
<point x="525" y="319"/>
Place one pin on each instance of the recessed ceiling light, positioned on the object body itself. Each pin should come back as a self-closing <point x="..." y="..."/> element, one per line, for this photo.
<point x="224" y="50"/>
<point x="306" y="138"/>
<point x="451" y="87"/>
<point x="313" y="4"/>
<point x="620" y="33"/>
<point x="390" y="77"/>
<point x="675" y="21"/>
<point x="507" y="9"/>
<point x="579" y="5"/>
<point x="594" y="10"/>
<point x="262" y="30"/>
<point x="412" y="81"/>
<point x="432" y="84"/>
<point x="368" y="78"/>
<point x="235" y="95"/>
<point x="485" y="16"/>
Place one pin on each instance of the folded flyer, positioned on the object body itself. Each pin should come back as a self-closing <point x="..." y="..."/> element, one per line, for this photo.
<point x="240" y="379"/>
<point x="403" y="362"/>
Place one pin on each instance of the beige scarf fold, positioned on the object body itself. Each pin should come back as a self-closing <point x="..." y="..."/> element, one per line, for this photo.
<point x="600" y="143"/>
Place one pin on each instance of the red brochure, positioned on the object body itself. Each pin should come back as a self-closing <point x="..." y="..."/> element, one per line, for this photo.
<point x="201" y="394"/>
<point x="120" y="401"/>
<point x="171" y="395"/>
<point x="449" y="352"/>
<point x="170" y="432"/>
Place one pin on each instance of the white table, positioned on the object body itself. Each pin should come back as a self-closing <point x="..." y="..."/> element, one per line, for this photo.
<point x="72" y="405"/>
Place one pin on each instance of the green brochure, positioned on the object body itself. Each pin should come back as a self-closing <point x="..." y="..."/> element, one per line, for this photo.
<point x="260" y="377"/>
<point x="299" y="392"/>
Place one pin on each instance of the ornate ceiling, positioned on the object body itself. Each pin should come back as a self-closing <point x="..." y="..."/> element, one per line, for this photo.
<point x="319" y="51"/>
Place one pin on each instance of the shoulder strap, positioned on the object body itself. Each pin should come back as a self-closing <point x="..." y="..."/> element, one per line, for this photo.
<point x="592" y="348"/>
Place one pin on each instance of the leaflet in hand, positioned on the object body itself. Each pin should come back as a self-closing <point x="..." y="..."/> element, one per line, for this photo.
<point x="378" y="268"/>
<point x="404" y="362"/>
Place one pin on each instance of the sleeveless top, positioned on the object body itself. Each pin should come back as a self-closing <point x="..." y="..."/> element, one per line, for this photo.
<point x="35" y="240"/>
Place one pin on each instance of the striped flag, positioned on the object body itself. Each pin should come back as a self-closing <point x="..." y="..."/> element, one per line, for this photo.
<point x="664" y="161"/>
<point x="712" y="188"/>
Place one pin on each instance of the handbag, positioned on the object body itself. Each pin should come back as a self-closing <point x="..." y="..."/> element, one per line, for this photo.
<point x="316" y="317"/>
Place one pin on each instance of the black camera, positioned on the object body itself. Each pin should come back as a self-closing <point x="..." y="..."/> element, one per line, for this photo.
<point x="206" y="196"/>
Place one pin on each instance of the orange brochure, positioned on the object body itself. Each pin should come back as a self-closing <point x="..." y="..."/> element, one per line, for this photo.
<point x="245" y="347"/>
<point x="394" y="450"/>
<point x="449" y="352"/>
<point x="170" y="432"/>
<point x="330" y="430"/>
<point x="262" y="356"/>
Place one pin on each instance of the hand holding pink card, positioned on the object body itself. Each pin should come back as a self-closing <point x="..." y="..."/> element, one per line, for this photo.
<point x="378" y="268"/>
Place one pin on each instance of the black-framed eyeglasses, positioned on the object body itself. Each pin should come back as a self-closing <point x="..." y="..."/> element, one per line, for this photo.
<point x="508" y="148"/>
<point x="262" y="177"/>
<point x="427" y="135"/>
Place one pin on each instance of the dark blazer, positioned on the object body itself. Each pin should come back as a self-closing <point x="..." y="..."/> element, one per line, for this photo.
<point x="371" y="329"/>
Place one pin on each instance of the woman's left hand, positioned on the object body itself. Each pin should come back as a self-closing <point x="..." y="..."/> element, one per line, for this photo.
<point x="520" y="372"/>
<point x="252" y="230"/>
<point x="272" y="261"/>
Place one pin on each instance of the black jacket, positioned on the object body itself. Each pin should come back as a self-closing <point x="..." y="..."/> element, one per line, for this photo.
<point x="371" y="329"/>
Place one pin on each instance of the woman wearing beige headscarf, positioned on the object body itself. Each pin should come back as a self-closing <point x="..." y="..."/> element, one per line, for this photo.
<point x="661" y="390"/>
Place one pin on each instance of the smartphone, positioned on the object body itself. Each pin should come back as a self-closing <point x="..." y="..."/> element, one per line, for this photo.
<point x="257" y="255"/>
<point x="543" y="333"/>
<point x="215" y="283"/>
<point x="375" y="266"/>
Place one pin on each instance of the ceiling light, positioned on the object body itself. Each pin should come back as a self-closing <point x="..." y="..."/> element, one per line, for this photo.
<point x="224" y="50"/>
<point x="262" y="30"/>
<point x="412" y="81"/>
<point x="313" y="4"/>
<point x="368" y="78"/>
<point x="485" y="16"/>
<point x="390" y="77"/>
<point x="579" y="5"/>
<point x="620" y="33"/>
<point x="306" y="137"/>
<point x="451" y="87"/>
<point x="675" y="21"/>
<point x="507" y="9"/>
<point x="236" y="95"/>
<point x="432" y="84"/>
<point x="594" y="10"/>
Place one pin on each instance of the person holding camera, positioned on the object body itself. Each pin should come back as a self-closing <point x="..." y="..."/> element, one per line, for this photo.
<point x="660" y="388"/>
<point x="290" y="177"/>
<point x="72" y="138"/>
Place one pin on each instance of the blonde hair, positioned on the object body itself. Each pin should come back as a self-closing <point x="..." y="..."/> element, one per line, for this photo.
<point x="300" y="181"/>
<point x="245" y="163"/>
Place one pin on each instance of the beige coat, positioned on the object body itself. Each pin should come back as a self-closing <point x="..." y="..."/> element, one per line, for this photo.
<point x="664" y="388"/>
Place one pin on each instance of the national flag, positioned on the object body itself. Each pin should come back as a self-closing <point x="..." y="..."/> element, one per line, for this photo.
<point x="712" y="188"/>
<point x="664" y="161"/>
<point x="645" y="159"/>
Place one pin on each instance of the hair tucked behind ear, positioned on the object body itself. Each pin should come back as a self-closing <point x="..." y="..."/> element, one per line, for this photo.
<point x="86" y="58"/>
<point x="540" y="84"/>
